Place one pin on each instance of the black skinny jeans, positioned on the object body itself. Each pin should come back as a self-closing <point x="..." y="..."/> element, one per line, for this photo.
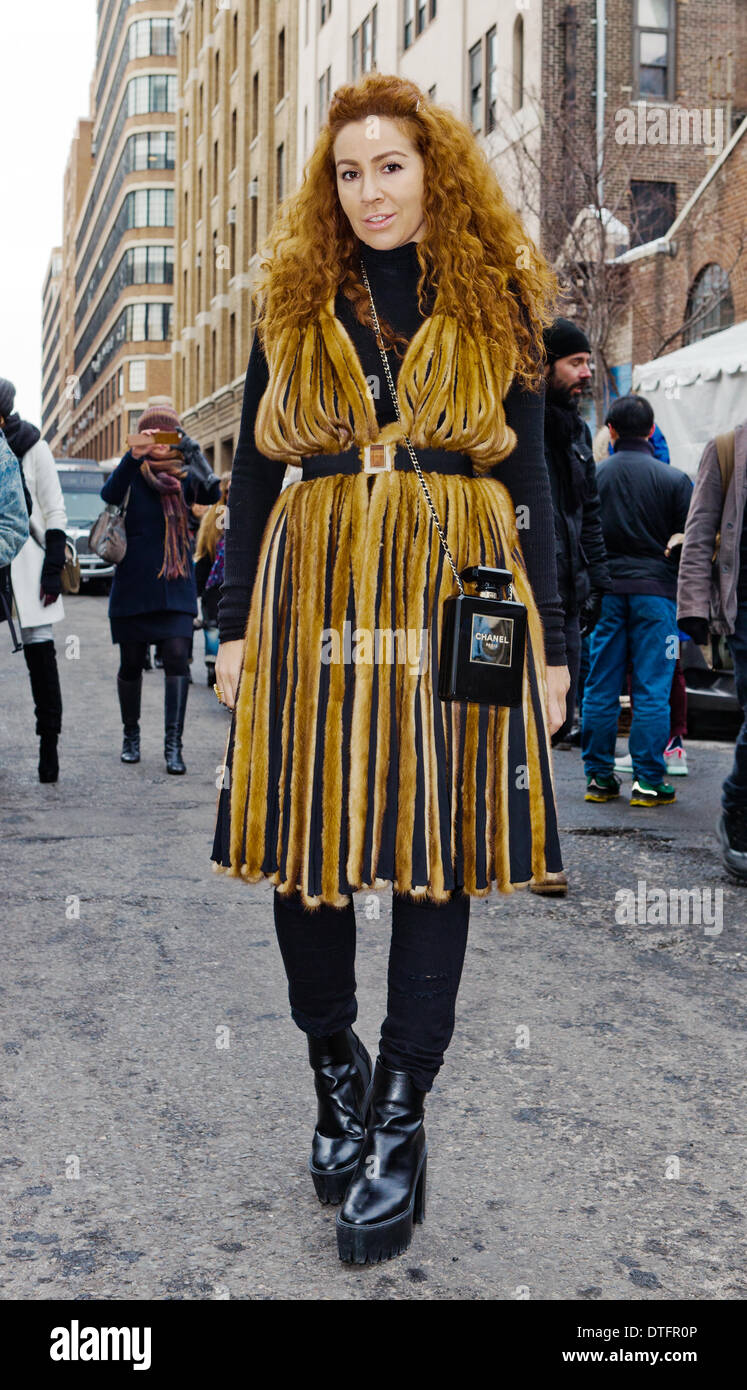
<point x="426" y="956"/>
<point x="174" y="653"/>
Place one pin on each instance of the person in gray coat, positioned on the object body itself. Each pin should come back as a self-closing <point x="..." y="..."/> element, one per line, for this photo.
<point x="714" y="598"/>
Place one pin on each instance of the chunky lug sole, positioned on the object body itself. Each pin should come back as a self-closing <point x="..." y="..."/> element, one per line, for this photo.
<point x="602" y="795"/>
<point x="360" y="1245"/>
<point x="331" y="1186"/>
<point x="639" y="799"/>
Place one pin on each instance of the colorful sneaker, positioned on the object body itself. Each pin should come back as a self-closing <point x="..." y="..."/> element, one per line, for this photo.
<point x="645" y="793"/>
<point x="675" y="758"/>
<point x="624" y="764"/>
<point x="602" y="787"/>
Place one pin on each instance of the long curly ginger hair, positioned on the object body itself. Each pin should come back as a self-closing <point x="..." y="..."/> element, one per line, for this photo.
<point x="487" y="272"/>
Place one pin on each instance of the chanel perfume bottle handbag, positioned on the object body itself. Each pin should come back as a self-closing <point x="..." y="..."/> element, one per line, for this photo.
<point x="483" y="635"/>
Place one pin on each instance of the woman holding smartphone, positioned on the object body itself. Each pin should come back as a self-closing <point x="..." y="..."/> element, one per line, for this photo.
<point x="153" y="596"/>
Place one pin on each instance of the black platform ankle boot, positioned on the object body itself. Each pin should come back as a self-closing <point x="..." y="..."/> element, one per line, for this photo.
<point x="342" y="1076"/>
<point x="129" y="703"/>
<point x="387" y="1190"/>
<point x="176" y="689"/>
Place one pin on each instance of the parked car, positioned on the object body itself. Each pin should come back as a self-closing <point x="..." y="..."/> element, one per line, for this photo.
<point x="81" y="481"/>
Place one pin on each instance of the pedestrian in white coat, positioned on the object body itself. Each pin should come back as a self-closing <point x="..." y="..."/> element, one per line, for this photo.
<point x="36" y="576"/>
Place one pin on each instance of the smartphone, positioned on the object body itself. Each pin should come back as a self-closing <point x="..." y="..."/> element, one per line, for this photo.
<point x="160" y="437"/>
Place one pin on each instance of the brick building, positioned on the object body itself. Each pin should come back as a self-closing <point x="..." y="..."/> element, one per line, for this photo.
<point x="236" y="160"/>
<point x="117" y="253"/>
<point x="657" y="56"/>
<point x="693" y="281"/>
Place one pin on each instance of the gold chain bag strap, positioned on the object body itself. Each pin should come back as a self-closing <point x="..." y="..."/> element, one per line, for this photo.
<point x="483" y="638"/>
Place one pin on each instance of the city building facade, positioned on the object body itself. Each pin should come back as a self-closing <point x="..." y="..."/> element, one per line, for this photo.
<point x="118" y="239"/>
<point x="477" y="57"/>
<point x="236" y="161"/>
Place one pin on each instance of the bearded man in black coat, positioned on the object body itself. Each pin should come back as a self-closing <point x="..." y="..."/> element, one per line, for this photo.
<point x="583" y="576"/>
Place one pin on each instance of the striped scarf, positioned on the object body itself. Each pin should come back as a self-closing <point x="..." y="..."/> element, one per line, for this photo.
<point x="164" y="476"/>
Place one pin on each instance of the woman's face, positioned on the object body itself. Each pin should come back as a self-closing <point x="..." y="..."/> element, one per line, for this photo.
<point x="380" y="182"/>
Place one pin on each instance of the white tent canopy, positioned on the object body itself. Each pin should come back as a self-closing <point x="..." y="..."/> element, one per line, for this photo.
<point x="697" y="392"/>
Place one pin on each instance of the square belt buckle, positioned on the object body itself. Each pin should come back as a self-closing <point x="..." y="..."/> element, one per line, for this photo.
<point x="378" y="458"/>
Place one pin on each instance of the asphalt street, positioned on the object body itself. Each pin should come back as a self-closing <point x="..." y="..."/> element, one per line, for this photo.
<point x="586" y="1134"/>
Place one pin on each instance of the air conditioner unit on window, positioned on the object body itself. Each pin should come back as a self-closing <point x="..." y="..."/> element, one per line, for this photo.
<point x="254" y="188"/>
<point x="231" y="215"/>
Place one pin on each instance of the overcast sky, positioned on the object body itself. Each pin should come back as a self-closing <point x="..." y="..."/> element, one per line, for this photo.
<point x="49" y="51"/>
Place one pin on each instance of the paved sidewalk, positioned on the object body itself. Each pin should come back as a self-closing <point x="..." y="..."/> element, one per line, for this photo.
<point x="586" y="1134"/>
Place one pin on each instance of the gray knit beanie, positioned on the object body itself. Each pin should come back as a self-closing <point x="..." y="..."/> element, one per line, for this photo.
<point x="7" y="397"/>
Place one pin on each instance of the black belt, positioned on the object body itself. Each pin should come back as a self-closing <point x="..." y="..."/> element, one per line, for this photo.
<point x="349" y="461"/>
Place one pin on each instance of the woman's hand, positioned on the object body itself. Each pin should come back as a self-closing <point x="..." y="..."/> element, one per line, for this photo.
<point x="558" y="685"/>
<point x="228" y="664"/>
<point x="140" y="451"/>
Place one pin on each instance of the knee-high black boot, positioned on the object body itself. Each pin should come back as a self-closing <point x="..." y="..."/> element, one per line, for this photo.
<point x="41" y="660"/>
<point x="176" y="690"/>
<point x="342" y="1075"/>
<point x="130" y="693"/>
<point x="387" y="1190"/>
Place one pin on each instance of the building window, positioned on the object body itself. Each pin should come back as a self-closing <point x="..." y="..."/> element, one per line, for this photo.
<point x="255" y="106"/>
<point x="232" y="346"/>
<point x="517" y="97"/>
<point x="416" y="15"/>
<point x="653" y="42"/>
<point x="234" y="137"/>
<point x="151" y="93"/>
<point x="151" y="38"/>
<point x="217" y="78"/>
<point x="325" y="10"/>
<point x="280" y="173"/>
<point x="409" y="35"/>
<point x="368" y="42"/>
<point x="235" y="42"/>
<point x="255" y="16"/>
<point x="253" y="225"/>
<point x="215" y="168"/>
<point x="653" y="205"/>
<point x="149" y="207"/>
<point x="325" y="86"/>
<point x="491" y="80"/>
<point x="364" y="46"/>
<point x="137" y="376"/>
<point x="281" y="65"/>
<point x="710" y="304"/>
<point x="475" y="87"/>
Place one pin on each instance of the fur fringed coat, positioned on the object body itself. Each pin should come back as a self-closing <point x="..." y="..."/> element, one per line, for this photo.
<point x="343" y="769"/>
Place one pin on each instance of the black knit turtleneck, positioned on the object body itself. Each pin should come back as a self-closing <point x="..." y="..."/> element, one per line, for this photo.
<point x="256" y="481"/>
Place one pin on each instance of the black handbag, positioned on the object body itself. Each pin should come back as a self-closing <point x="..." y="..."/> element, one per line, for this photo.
<point x="483" y="635"/>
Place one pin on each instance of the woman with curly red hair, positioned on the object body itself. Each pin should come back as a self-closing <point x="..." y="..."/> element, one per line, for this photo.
<point x="348" y="773"/>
